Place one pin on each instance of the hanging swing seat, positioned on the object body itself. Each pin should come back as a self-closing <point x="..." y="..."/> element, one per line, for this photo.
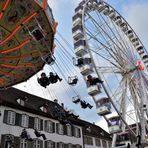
<point x="72" y="80"/>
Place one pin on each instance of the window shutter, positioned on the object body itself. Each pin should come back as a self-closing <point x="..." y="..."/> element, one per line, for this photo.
<point x="53" y="127"/>
<point x="16" y="142"/>
<point x="65" y="145"/>
<point x="45" y="126"/>
<point x="29" y="144"/>
<point x="5" y="116"/>
<point x="46" y="144"/>
<point x="3" y="141"/>
<point x="79" y="132"/>
<point x="65" y="130"/>
<point x="18" y="119"/>
<point x="41" y="128"/>
<point x="54" y="145"/>
<point x="41" y="144"/>
<point x="73" y="131"/>
<point x="57" y="128"/>
<point x="31" y="122"/>
<point x="58" y="145"/>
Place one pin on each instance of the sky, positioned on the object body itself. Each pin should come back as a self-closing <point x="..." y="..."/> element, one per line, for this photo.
<point x="134" y="11"/>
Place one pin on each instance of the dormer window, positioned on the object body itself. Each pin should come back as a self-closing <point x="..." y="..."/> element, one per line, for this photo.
<point x="21" y="101"/>
<point x="44" y="108"/>
<point x="102" y="133"/>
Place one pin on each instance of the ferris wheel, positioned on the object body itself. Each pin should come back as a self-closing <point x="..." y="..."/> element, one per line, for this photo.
<point x="107" y="48"/>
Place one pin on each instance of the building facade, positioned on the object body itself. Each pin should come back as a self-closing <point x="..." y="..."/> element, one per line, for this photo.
<point x="28" y="121"/>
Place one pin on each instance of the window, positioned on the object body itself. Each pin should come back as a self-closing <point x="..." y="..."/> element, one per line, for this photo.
<point x="9" y="139"/>
<point x="77" y="132"/>
<point x="44" y="109"/>
<point x="49" y="126"/>
<point x="109" y="143"/>
<point x="98" y="142"/>
<point x="11" y="118"/>
<point x="70" y="145"/>
<point x="78" y="146"/>
<point x="50" y="144"/>
<point x="37" y="123"/>
<point x="60" y="145"/>
<point x="37" y="143"/>
<point x="23" y="143"/>
<point x="69" y="130"/>
<point x="60" y="128"/>
<point x="104" y="144"/>
<point x="21" y="101"/>
<point x="88" y="140"/>
<point x="25" y="120"/>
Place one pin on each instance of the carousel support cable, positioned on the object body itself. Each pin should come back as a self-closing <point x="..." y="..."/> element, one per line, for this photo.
<point x="65" y="78"/>
<point x="66" y="41"/>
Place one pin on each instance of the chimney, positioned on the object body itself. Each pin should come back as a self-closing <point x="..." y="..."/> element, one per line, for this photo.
<point x="62" y="104"/>
<point x="55" y="100"/>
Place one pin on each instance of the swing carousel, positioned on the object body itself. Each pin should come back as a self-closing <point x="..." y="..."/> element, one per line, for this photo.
<point x="27" y="30"/>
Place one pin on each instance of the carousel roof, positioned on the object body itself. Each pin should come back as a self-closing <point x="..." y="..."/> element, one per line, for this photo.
<point x="27" y="29"/>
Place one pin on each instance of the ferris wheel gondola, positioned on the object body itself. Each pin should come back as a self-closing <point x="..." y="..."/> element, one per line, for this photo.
<point x="27" y="31"/>
<point x="119" y="58"/>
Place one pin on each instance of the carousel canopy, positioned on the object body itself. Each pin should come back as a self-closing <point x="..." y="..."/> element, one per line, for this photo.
<point x="27" y="29"/>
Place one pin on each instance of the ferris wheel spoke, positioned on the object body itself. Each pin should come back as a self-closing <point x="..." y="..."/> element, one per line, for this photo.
<point x="117" y="91"/>
<point x="108" y="49"/>
<point x="118" y="38"/>
<point x="114" y="43"/>
<point x="140" y="113"/>
<point x="97" y="26"/>
<point x="111" y="52"/>
<point x="116" y="66"/>
<point x="123" y="44"/>
<point x="128" y="112"/>
<point x="107" y="69"/>
<point x="136" y="99"/>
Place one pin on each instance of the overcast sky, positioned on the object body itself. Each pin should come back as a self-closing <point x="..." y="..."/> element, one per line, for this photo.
<point x="134" y="11"/>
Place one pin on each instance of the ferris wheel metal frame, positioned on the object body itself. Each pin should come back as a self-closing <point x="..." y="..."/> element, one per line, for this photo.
<point x="136" y="87"/>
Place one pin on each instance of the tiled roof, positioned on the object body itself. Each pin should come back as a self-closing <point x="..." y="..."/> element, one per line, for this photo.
<point x="33" y="103"/>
